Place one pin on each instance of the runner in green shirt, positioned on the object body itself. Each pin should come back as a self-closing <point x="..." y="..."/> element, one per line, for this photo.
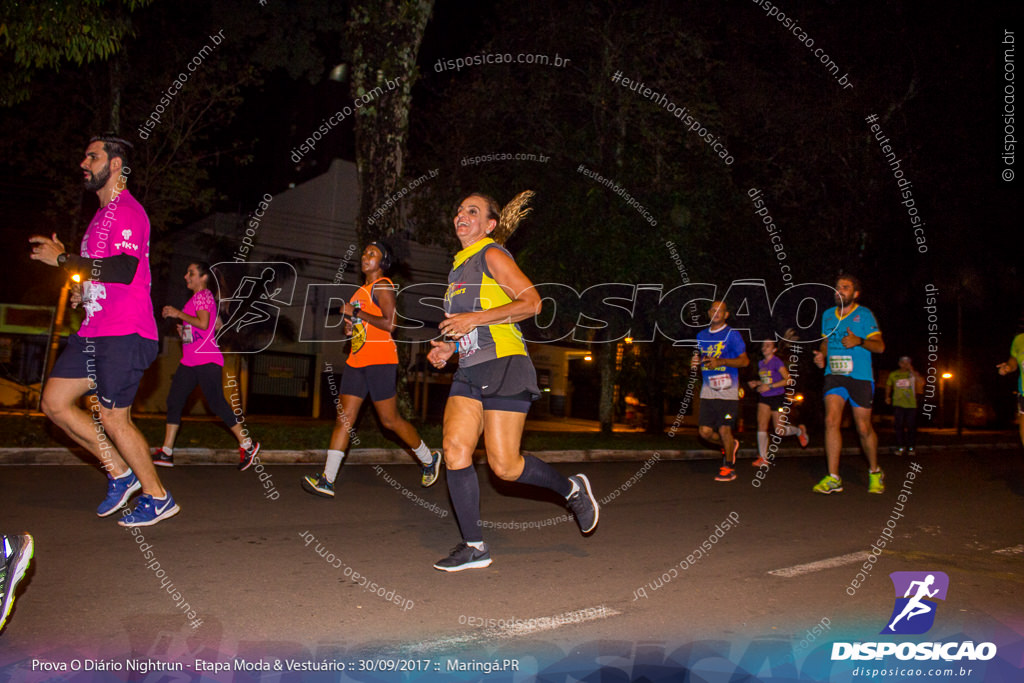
<point x="901" y="392"/>
<point x="1014" y="363"/>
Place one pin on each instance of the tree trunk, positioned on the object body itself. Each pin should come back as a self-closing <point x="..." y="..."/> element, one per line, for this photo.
<point x="114" y="71"/>
<point x="606" y="407"/>
<point x="656" y="391"/>
<point x="615" y="128"/>
<point x="386" y="36"/>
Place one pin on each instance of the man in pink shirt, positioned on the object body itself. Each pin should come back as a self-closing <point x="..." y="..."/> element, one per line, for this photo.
<point x="117" y="341"/>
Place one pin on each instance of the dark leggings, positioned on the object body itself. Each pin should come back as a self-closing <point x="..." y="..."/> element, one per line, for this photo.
<point x="208" y="377"/>
<point x="905" y="423"/>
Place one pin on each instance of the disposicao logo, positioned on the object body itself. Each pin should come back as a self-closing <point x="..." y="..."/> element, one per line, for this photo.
<point x="913" y="614"/>
<point x="916" y="592"/>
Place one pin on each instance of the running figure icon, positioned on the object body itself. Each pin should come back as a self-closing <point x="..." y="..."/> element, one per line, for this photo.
<point x="253" y="305"/>
<point x="915" y="606"/>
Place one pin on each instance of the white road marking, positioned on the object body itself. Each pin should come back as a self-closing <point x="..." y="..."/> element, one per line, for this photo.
<point x="1015" y="550"/>
<point x="839" y="561"/>
<point x="516" y="629"/>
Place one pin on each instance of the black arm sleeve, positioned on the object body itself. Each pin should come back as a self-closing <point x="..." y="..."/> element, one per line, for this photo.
<point x="118" y="269"/>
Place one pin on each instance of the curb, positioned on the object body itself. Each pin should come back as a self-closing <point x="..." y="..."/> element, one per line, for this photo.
<point x="398" y="456"/>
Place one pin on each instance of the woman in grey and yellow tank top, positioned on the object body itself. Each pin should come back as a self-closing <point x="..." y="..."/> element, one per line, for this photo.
<point x="495" y="384"/>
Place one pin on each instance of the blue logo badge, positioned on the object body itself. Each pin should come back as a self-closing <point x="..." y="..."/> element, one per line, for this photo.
<point x="916" y="595"/>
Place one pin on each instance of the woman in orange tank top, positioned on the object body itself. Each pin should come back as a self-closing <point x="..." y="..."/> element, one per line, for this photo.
<point x="371" y="370"/>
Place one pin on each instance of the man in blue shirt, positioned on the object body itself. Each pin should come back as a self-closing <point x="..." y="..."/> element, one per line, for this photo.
<point x="851" y="335"/>
<point x="721" y="354"/>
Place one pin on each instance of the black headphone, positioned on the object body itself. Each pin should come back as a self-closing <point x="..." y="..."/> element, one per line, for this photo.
<point x="386" y="258"/>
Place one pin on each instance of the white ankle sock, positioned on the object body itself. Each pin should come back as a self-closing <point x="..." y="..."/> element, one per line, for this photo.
<point x="423" y="453"/>
<point x="762" y="444"/>
<point x="334" y="459"/>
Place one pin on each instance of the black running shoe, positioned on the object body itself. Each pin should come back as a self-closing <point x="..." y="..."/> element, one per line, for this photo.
<point x="583" y="504"/>
<point x="465" y="556"/>
<point x="162" y="459"/>
<point x="247" y="455"/>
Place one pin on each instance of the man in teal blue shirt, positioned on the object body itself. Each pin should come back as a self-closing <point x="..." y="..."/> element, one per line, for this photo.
<point x="851" y="335"/>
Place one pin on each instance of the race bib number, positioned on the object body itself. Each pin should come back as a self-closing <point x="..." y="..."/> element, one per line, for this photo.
<point x="903" y="383"/>
<point x="92" y="294"/>
<point x="469" y="344"/>
<point x="766" y="377"/>
<point x="840" y="365"/>
<point x="720" y="381"/>
<point x="186" y="333"/>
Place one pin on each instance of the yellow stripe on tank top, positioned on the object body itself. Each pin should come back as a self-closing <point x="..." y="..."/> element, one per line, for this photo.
<point x="508" y="340"/>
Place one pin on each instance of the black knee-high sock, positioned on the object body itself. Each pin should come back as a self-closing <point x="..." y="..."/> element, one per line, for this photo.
<point x="536" y="472"/>
<point x="464" y="488"/>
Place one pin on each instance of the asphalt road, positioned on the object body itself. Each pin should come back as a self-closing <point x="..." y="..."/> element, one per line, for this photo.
<point x="679" y="562"/>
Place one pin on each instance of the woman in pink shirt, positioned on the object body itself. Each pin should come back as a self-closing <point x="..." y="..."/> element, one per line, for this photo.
<point x="202" y="364"/>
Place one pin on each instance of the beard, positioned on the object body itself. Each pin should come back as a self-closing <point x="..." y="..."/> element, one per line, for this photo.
<point x="97" y="181"/>
<point x="842" y="302"/>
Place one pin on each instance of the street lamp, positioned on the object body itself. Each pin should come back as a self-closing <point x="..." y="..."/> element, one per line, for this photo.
<point x="942" y="395"/>
<point x="56" y="322"/>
